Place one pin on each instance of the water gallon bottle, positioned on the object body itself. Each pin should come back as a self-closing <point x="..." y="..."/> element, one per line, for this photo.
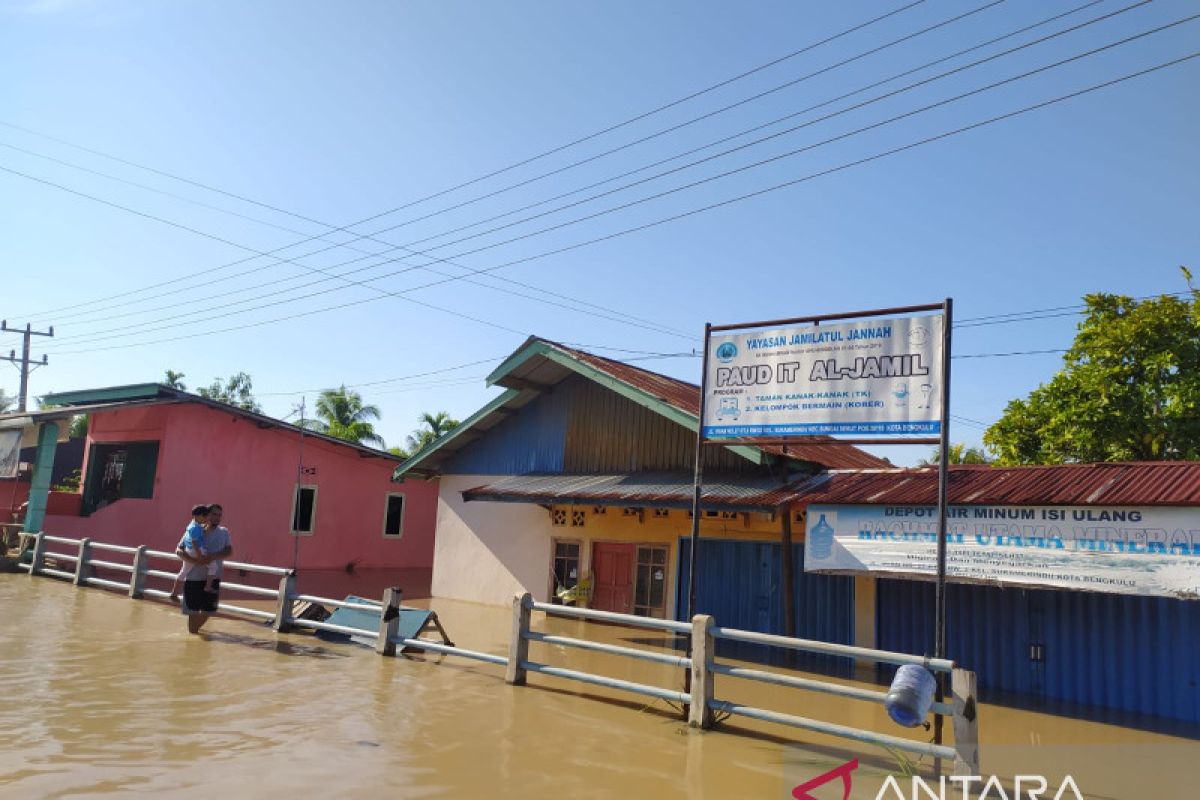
<point x="820" y="540"/>
<point x="910" y="696"/>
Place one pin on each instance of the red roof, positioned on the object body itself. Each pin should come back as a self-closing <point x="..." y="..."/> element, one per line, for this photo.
<point x="686" y="397"/>
<point x="1145" y="483"/>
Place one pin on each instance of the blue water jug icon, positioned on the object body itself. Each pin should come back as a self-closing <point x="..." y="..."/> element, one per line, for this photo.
<point x="820" y="540"/>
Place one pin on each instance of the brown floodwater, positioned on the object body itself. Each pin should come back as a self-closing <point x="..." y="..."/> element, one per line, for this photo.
<point x="105" y="696"/>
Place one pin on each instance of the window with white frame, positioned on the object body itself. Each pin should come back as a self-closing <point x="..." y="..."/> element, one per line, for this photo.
<point x="393" y="517"/>
<point x="304" y="510"/>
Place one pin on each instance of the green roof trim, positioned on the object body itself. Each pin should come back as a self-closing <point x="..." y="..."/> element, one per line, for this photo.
<point x="537" y="347"/>
<point x="416" y="458"/>
<point x="135" y="391"/>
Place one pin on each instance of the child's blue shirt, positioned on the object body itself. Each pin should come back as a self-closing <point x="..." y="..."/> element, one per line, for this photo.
<point x="193" y="538"/>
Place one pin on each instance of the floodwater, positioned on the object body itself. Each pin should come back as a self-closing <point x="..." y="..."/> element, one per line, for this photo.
<point x="105" y="696"/>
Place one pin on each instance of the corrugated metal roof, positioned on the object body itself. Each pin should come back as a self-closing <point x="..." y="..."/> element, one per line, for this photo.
<point x="650" y="489"/>
<point x="111" y="398"/>
<point x="1146" y="483"/>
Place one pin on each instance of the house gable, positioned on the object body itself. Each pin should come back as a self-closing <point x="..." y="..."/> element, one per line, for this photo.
<point x="581" y="426"/>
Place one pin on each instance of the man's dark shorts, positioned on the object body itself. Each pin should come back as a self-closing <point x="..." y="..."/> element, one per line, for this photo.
<point x="196" y="600"/>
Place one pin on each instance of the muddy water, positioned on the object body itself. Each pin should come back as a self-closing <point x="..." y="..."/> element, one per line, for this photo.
<point x="104" y="696"/>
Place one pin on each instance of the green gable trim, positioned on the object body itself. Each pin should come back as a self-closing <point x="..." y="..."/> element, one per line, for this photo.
<point x="415" y="459"/>
<point x="83" y="397"/>
<point x="518" y="358"/>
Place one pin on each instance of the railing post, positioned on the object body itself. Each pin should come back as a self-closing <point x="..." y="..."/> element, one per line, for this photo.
<point x="82" y="563"/>
<point x="389" y="622"/>
<point x="699" y="712"/>
<point x="283" y="609"/>
<point x="137" y="580"/>
<point x="966" y="722"/>
<point x="518" y="645"/>
<point x="38" y="558"/>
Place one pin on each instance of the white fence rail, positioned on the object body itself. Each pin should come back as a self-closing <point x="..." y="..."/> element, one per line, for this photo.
<point x="701" y="668"/>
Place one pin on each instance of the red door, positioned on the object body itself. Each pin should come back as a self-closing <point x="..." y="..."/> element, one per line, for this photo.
<point x="612" y="565"/>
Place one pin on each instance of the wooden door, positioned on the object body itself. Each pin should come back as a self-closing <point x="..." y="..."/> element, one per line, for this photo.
<point x="612" y="565"/>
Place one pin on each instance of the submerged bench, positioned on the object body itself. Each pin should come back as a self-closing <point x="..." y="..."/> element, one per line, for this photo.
<point x="413" y="622"/>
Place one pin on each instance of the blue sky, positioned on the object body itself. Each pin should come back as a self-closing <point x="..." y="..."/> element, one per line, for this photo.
<point x="338" y="112"/>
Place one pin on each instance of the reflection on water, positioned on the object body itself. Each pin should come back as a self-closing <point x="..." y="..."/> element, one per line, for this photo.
<point x="107" y="696"/>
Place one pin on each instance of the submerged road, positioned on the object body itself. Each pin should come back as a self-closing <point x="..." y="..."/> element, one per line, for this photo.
<point x="110" y="697"/>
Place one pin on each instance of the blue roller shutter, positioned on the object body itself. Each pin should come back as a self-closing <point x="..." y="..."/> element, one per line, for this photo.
<point x="1073" y="652"/>
<point x="739" y="586"/>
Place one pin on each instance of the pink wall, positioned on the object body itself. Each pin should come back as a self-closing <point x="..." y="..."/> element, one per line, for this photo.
<point x="209" y="455"/>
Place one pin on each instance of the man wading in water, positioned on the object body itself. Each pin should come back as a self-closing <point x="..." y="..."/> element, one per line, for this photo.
<point x="198" y="603"/>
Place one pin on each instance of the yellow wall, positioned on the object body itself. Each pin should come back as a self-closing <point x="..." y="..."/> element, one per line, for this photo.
<point x="614" y="526"/>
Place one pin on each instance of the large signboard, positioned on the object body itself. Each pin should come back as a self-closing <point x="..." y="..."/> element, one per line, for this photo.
<point x="878" y="376"/>
<point x="1123" y="550"/>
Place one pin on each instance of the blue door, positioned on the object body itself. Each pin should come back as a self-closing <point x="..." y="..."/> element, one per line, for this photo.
<point x="739" y="586"/>
<point x="1074" y="652"/>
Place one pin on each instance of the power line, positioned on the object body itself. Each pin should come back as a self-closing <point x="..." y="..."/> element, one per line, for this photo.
<point x="349" y="245"/>
<point x="103" y="335"/>
<point x="945" y="58"/>
<point x="88" y="337"/>
<point x="1012" y="353"/>
<point x="824" y="118"/>
<point x="776" y="187"/>
<point x="538" y="156"/>
<point x="394" y="248"/>
<point x="701" y="118"/>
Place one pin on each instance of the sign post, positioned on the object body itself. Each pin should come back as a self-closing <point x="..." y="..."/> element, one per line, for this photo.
<point x="870" y="377"/>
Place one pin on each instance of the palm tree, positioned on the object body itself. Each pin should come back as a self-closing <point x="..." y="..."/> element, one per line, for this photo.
<point x="958" y="453"/>
<point x="343" y="415"/>
<point x="431" y="427"/>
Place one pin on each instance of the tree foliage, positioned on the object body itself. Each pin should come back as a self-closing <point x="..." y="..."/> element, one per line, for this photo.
<point x="7" y="402"/>
<point x="236" y="390"/>
<point x="430" y="427"/>
<point x="175" y="380"/>
<point x="1129" y="389"/>
<point x="341" y="413"/>
<point x="959" y="453"/>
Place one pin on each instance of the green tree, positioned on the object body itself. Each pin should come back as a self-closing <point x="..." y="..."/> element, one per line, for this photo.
<point x="175" y="380"/>
<point x="236" y="390"/>
<point x="1129" y="389"/>
<point x="958" y="453"/>
<point x="341" y="413"/>
<point x="430" y="427"/>
<point x="79" y="427"/>
<point x="7" y="401"/>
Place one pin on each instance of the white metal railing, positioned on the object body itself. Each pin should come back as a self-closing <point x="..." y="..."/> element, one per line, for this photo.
<point x="519" y="664"/>
<point x="700" y="664"/>
<point x="703" y="670"/>
<point x="962" y="709"/>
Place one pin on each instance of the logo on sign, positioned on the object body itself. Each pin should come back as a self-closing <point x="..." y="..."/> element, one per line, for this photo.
<point x="726" y="352"/>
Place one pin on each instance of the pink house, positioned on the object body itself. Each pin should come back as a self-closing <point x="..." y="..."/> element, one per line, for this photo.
<point x="152" y="452"/>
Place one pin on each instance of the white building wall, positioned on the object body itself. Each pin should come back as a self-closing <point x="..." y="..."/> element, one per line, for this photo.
<point x="488" y="552"/>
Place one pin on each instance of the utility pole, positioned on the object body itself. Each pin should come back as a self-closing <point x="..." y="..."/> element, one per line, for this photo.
<point x="25" y="364"/>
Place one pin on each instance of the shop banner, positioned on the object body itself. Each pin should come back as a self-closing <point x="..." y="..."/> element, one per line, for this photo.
<point x="880" y="377"/>
<point x="1123" y="550"/>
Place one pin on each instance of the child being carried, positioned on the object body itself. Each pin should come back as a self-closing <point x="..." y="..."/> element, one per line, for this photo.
<point x="193" y="544"/>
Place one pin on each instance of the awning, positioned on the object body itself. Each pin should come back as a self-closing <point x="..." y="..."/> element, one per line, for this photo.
<point x="646" y="489"/>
